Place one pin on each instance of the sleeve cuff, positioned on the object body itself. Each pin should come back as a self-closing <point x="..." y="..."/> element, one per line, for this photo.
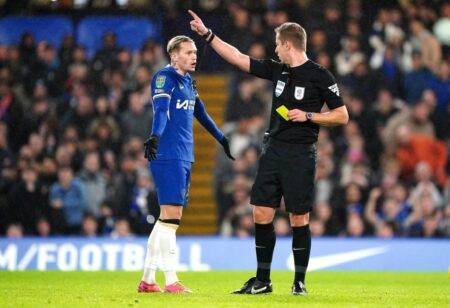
<point x="162" y="95"/>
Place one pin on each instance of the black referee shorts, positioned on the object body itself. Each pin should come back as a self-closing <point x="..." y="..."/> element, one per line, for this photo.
<point x="286" y="170"/>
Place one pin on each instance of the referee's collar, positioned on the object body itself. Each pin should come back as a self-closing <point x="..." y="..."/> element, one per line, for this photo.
<point x="298" y="66"/>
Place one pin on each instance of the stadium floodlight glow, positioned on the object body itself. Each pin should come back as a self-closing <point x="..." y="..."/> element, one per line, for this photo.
<point x="78" y="4"/>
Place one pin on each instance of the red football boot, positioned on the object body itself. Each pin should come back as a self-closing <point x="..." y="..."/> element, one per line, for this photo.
<point x="148" y="287"/>
<point x="176" y="287"/>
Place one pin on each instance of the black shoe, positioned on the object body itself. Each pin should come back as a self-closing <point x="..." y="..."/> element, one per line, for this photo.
<point x="298" y="288"/>
<point x="254" y="286"/>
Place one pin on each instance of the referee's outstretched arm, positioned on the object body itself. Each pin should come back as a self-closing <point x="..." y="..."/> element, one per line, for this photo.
<point x="228" y="52"/>
<point x="335" y="117"/>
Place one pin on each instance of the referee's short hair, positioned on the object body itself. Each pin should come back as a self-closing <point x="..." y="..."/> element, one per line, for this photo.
<point x="175" y="43"/>
<point x="294" y="33"/>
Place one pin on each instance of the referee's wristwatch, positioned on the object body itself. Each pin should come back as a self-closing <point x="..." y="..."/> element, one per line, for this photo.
<point x="309" y="116"/>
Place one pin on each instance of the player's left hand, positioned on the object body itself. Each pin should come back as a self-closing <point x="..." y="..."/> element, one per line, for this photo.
<point x="197" y="24"/>
<point x="151" y="147"/>
<point x="297" y="115"/>
<point x="226" y="147"/>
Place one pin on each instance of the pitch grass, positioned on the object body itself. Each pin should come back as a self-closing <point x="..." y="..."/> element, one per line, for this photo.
<point x="118" y="289"/>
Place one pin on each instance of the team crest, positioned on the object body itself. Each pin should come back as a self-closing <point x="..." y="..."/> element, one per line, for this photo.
<point x="160" y="81"/>
<point x="279" y="88"/>
<point x="299" y="92"/>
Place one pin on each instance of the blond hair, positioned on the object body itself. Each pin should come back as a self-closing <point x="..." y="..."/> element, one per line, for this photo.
<point x="292" y="32"/>
<point x="175" y="43"/>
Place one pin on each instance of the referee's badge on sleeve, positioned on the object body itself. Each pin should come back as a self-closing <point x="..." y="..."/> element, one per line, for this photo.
<point x="279" y="88"/>
<point x="299" y="92"/>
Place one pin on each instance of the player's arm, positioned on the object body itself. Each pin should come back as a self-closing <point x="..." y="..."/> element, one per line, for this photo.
<point x="161" y="108"/>
<point x="208" y="123"/>
<point x="228" y="52"/>
<point x="162" y="88"/>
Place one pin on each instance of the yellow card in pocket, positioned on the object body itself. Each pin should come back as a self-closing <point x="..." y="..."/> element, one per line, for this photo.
<point x="283" y="112"/>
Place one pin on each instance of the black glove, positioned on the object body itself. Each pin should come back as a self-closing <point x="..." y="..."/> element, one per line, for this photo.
<point x="151" y="147"/>
<point x="226" y="147"/>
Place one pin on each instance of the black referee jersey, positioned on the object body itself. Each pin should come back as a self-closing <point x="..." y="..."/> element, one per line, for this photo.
<point x="306" y="87"/>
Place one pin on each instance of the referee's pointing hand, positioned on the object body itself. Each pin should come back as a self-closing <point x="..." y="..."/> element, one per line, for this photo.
<point x="197" y="24"/>
<point x="297" y="115"/>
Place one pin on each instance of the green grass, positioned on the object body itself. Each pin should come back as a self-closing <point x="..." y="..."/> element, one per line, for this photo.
<point x="118" y="289"/>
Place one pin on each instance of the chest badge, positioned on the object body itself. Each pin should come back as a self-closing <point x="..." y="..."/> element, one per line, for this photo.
<point x="299" y="92"/>
<point x="279" y="88"/>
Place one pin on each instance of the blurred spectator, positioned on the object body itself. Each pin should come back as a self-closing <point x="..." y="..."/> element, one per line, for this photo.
<point x="121" y="229"/>
<point x="355" y="225"/>
<point x="143" y="208"/>
<point x="68" y="196"/>
<point x="14" y="231"/>
<point x="416" y="80"/>
<point x="81" y="116"/>
<point x="440" y="28"/>
<point x="282" y="227"/>
<point x="11" y="113"/>
<point x="385" y="107"/>
<point x="43" y="227"/>
<point x="136" y="120"/>
<point x="239" y="216"/>
<point x="45" y="68"/>
<point x="417" y="120"/>
<point x="104" y="57"/>
<point x="424" y="185"/>
<point x="440" y="84"/>
<point x="384" y="230"/>
<point x="247" y="103"/>
<point x="414" y="148"/>
<point x="323" y="214"/>
<point x="425" y="43"/>
<point x="90" y="226"/>
<point x="106" y="220"/>
<point x="389" y="218"/>
<point x="94" y="184"/>
<point x="324" y="183"/>
<point x="26" y="201"/>
<point x="120" y="190"/>
<point x="349" y="57"/>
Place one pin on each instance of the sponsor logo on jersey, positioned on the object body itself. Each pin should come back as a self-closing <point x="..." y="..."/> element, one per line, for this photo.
<point x="334" y="88"/>
<point x="299" y="92"/>
<point x="279" y="88"/>
<point x="186" y="104"/>
<point x="160" y="81"/>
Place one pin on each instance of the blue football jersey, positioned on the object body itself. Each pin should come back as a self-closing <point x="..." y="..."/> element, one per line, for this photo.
<point x="177" y="139"/>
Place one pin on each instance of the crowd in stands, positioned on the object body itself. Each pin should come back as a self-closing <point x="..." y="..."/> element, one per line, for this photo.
<point x="72" y="127"/>
<point x="71" y="139"/>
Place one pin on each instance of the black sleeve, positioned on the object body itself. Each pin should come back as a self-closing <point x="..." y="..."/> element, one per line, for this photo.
<point x="329" y="90"/>
<point x="262" y="68"/>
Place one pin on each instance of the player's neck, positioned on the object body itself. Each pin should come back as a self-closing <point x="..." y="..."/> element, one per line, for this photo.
<point x="179" y="71"/>
<point x="183" y="73"/>
<point x="298" y="58"/>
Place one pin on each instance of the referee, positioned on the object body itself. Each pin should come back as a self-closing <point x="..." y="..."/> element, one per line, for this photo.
<point x="288" y="161"/>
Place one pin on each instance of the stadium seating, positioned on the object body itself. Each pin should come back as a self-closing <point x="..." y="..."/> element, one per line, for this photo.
<point x="48" y="28"/>
<point x="201" y="217"/>
<point x="131" y="32"/>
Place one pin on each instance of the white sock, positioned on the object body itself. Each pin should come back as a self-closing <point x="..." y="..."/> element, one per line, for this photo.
<point x="151" y="258"/>
<point x="167" y="244"/>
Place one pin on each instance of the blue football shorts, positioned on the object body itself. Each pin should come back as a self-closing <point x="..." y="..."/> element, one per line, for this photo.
<point x="172" y="179"/>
